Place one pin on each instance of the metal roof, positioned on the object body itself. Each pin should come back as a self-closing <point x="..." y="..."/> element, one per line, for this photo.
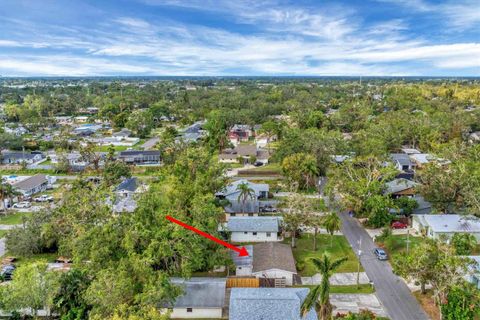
<point x="200" y="292"/>
<point x="268" y="304"/>
<point x="448" y="223"/>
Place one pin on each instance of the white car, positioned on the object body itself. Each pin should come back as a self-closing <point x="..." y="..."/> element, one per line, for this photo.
<point x="44" y="198"/>
<point x="23" y="204"/>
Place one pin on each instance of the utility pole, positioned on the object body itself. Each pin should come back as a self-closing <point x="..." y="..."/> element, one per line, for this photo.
<point x="358" y="265"/>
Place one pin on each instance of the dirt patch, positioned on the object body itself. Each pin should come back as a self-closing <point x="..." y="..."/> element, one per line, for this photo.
<point x="428" y="305"/>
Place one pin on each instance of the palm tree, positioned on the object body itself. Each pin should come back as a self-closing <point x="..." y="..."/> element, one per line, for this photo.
<point x="331" y="222"/>
<point x="7" y="192"/>
<point x="319" y="297"/>
<point x="3" y="194"/>
<point x="245" y="193"/>
<point x="309" y="169"/>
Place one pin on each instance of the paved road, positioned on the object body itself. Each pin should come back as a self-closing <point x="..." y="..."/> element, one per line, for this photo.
<point x="391" y="290"/>
<point x="149" y="144"/>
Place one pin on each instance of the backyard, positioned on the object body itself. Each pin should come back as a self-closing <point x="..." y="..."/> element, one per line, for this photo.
<point x="339" y="249"/>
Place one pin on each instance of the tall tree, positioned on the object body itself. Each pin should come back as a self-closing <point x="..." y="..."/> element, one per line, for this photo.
<point x="319" y="296"/>
<point x="332" y="223"/>
<point x="245" y="194"/>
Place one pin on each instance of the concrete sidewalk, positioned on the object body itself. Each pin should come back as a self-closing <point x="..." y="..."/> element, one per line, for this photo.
<point x="338" y="279"/>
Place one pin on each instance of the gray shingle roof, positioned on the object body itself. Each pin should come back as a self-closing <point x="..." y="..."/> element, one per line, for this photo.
<point x="243" y="261"/>
<point x="402" y="158"/>
<point x="398" y="185"/>
<point x="273" y="255"/>
<point x="257" y="224"/>
<point x="31" y="182"/>
<point x="268" y="304"/>
<point x="201" y="293"/>
<point x="129" y="184"/>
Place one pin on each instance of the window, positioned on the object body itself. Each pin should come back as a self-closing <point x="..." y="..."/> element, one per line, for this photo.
<point x="232" y="214"/>
<point x="269" y="234"/>
<point x="250" y="214"/>
<point x="254" y="233"/>
<point x="189" y="310"/>
<point x="245" y="232"/>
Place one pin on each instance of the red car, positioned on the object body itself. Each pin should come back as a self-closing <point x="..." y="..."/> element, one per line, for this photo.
<point x="399" y="225"/>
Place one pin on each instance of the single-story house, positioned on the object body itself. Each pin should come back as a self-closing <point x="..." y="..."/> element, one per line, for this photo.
<point x="243" y="153"/>
<point x="268" y="304"/>
<point x="11" y="157"/>
<point x="231" y="191"/>
<point x="270" y="260"/>
<point x="202" y="298"/>
<point x="125" y="195"/>
<point x="235" y="206"/>
<point x="32" y="185"/>
<point x="192" y="133"/>
<point x="400" y="188"/>
<point x="437" y="225"/>
<point x="239" y="133"/>
<point x="139" y="157"/>
<point x="402" y="161"/>
<point x="254" y="229"/>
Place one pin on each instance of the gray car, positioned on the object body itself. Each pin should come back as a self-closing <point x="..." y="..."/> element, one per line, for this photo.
<point x="381" y="254"/>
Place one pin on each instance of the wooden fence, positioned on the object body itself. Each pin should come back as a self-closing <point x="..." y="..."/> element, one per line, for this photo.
<point x="243" y="282"/>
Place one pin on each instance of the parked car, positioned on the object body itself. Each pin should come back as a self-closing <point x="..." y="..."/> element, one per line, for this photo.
<point x="268" y="208"/>
<point x="258" y="164"/>
<point x="380" y="253"/>
<point x="399" y="225"/>
<point x="44" y="198"/>
<point x="23" y="204"/>
<point x="6" y="272"/>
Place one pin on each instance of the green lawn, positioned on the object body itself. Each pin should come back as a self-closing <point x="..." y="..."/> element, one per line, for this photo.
<point x="363" y="288"/>
<point x="396" y="245"/>
<point x="14" y="218"/>
<point x="268" y="167"/>
<point x="3" y="233"/>
<point x="340" y="248"/>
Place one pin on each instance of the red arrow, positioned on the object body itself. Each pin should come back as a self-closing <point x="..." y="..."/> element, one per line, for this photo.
<point x="242" y="252"/>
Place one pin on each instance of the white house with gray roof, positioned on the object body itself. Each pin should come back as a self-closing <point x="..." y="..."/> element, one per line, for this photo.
<point x="254" y="229"/>
<point x="202" y="298"/>
<point x="437" y="225"/>
<point x="268" y="304"/>
<point x="269" y="260"/>
<point x="32" y="185"/>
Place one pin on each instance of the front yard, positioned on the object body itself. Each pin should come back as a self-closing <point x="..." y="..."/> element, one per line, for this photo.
<point x="14" y="218"/>
<point x="340" y="248"/>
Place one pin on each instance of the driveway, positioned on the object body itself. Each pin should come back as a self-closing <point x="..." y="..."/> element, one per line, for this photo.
<point x="345" y="303"/>
<point x="392" y="291"/>
<point x="150" y="143"/>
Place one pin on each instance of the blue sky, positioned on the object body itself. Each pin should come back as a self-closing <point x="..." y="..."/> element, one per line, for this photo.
<point x="211" y="38"/>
